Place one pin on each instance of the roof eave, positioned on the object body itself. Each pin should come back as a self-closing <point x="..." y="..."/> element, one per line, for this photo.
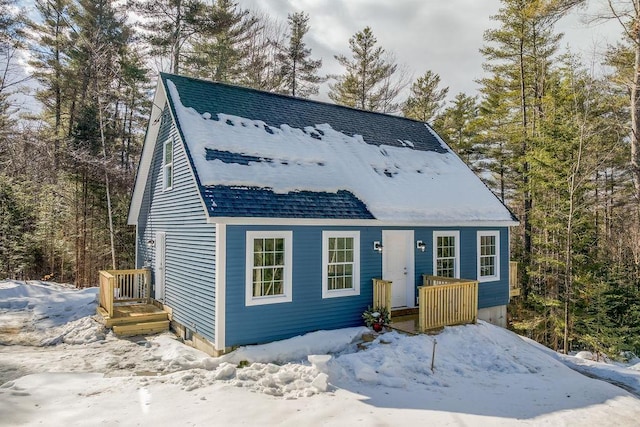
<point x="159" y="102"/>
<point x="359" y="222"/>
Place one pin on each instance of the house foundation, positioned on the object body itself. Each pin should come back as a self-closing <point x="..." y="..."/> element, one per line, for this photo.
<point x="495" y="315"/>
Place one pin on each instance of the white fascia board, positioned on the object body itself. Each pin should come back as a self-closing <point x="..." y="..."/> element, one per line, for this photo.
<point x="159" y="103"/>
<point x="355" y="222"/>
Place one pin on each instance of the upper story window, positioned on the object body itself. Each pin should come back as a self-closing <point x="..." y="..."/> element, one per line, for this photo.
<point x="340" y="263"/>
<point x="446" y="253"/>
<point x="269" y="265"/>
<point x="167" y="165"/>
<point x="488" y="256"/>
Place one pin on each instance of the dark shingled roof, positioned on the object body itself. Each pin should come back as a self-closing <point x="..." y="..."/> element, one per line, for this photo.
<point x="275" y="110"/>
<point x="264" y="203"/>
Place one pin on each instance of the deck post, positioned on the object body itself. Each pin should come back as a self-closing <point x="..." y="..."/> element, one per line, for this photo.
<point x="107" y="285"/>
<point x="382" y="294"/>
<point x="147" y="284"/>
<point x="514" y="285"/>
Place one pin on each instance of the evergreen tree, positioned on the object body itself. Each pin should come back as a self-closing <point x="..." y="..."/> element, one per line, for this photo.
<point x="457" y="126"/>
<point x="369" y="81"/>
<point x="218" y="51"/>
<point x="11" y="75"/>
<point x="168" y="26"/>
<point x="17" y="255"/>
<point x="299" y="73"/>
<point x="426" y="98"/>
<point x="519" y="54"/>
<point x="494" y="124"/>
<point x="51" y="43"/>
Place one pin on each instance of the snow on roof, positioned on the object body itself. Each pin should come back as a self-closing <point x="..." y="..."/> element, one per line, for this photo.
<point x="396" y="182"/>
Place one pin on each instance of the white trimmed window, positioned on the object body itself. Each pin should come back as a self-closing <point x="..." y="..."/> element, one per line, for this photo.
<point x="446" y="253"/>
<point x="269" y="265"/>
<point x="340" y="263"/>
<point x="488" y="256"/>
<point x="167" y="164"/>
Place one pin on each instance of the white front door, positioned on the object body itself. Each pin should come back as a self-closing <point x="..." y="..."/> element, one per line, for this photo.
<point x="398" y="266"/>
<point x="161" y="239"/>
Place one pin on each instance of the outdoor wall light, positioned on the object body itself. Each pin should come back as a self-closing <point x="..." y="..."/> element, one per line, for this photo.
<point x="151" y="243"/>
<point x="377" y="246"/>
<point x="421" y="245"/>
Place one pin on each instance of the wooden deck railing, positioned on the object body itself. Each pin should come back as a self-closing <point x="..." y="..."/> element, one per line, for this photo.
<point x="124" y="285"/>
<point x="382" y="293"/>
<point x="514" y="283"/>
<point x="445" y="301"/>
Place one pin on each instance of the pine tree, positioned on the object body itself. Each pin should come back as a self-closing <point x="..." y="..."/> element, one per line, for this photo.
<point x="519" y="53"/>
<point x="457" y="127"/>
<point x="168" y="27"/>
<point x="369" y="81"/>
<point x="299" y="73"/>
<point x="51" y="43"/>
<point x="426" y="98"/>
<point x="11" y="74"/>
<point x="218" y="50"/>
<point x="494" y="139"/>
<point x="17" y="255"/>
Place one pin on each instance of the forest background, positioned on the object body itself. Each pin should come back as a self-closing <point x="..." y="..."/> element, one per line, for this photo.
<point x="554" y="139"/>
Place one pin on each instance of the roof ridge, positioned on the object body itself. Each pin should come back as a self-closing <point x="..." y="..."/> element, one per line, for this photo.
<point x="165" y="75"/>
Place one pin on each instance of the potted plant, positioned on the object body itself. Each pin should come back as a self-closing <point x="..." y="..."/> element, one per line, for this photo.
<point x="376" y="317"/>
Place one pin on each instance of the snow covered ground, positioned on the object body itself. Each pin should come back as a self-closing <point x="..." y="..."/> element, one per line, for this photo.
<point x="60" y="367"/>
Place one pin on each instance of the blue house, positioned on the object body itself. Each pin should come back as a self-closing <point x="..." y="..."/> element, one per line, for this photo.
<point x="265" y="216"/>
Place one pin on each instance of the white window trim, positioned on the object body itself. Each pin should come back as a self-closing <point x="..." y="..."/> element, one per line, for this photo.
<point x="326" y="292"/>
<point x="496" y="276"/>
<point x="446" y="233"/>
<point x="165" y="175"/>
<point x="288" y="268"/>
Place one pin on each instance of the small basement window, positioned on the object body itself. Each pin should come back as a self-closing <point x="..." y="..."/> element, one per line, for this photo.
<point x="488" y="256"/>
<point x="446" y="253"/>
<point x="167" y="165"/>
<point x="269" y="262"/>
<point x="341" y="263"/>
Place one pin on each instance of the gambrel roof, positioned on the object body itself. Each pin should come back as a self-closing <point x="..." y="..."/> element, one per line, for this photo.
<point x="262" y="155"/>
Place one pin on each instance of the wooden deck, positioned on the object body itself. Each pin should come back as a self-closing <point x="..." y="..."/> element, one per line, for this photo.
<point x="442" y="301"/>
<point x="126" y="305"/>
<point x="405" y="320"/>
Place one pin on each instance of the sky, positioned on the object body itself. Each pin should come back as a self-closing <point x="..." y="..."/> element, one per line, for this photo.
<point x="441" y="36"/>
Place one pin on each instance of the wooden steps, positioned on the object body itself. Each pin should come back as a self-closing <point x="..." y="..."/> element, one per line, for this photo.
<point x="135" y="319"/>
<point x="141" y="328"/>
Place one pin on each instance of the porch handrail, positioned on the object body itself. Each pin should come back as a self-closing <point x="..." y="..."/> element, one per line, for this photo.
<point x="124" y="285"/>
<point x="428" y="280"/>
<point x="382" y="293"/>
<point x="447" y="302"/>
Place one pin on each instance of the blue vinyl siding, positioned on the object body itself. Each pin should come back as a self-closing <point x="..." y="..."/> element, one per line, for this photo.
<point x="308" y="311"/>
<point x="190" y="241"/>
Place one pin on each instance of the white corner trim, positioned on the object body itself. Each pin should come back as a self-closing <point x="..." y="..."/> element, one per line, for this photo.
<point x="287" y="295"/>
<point x="326" y="293"/>
<point x="444" y="233"/>
<point x="221" y="282"/>
<point x="496" y="234"/>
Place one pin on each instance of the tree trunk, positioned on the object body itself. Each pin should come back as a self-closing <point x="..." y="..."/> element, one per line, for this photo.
<point x="635" y="108"/>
